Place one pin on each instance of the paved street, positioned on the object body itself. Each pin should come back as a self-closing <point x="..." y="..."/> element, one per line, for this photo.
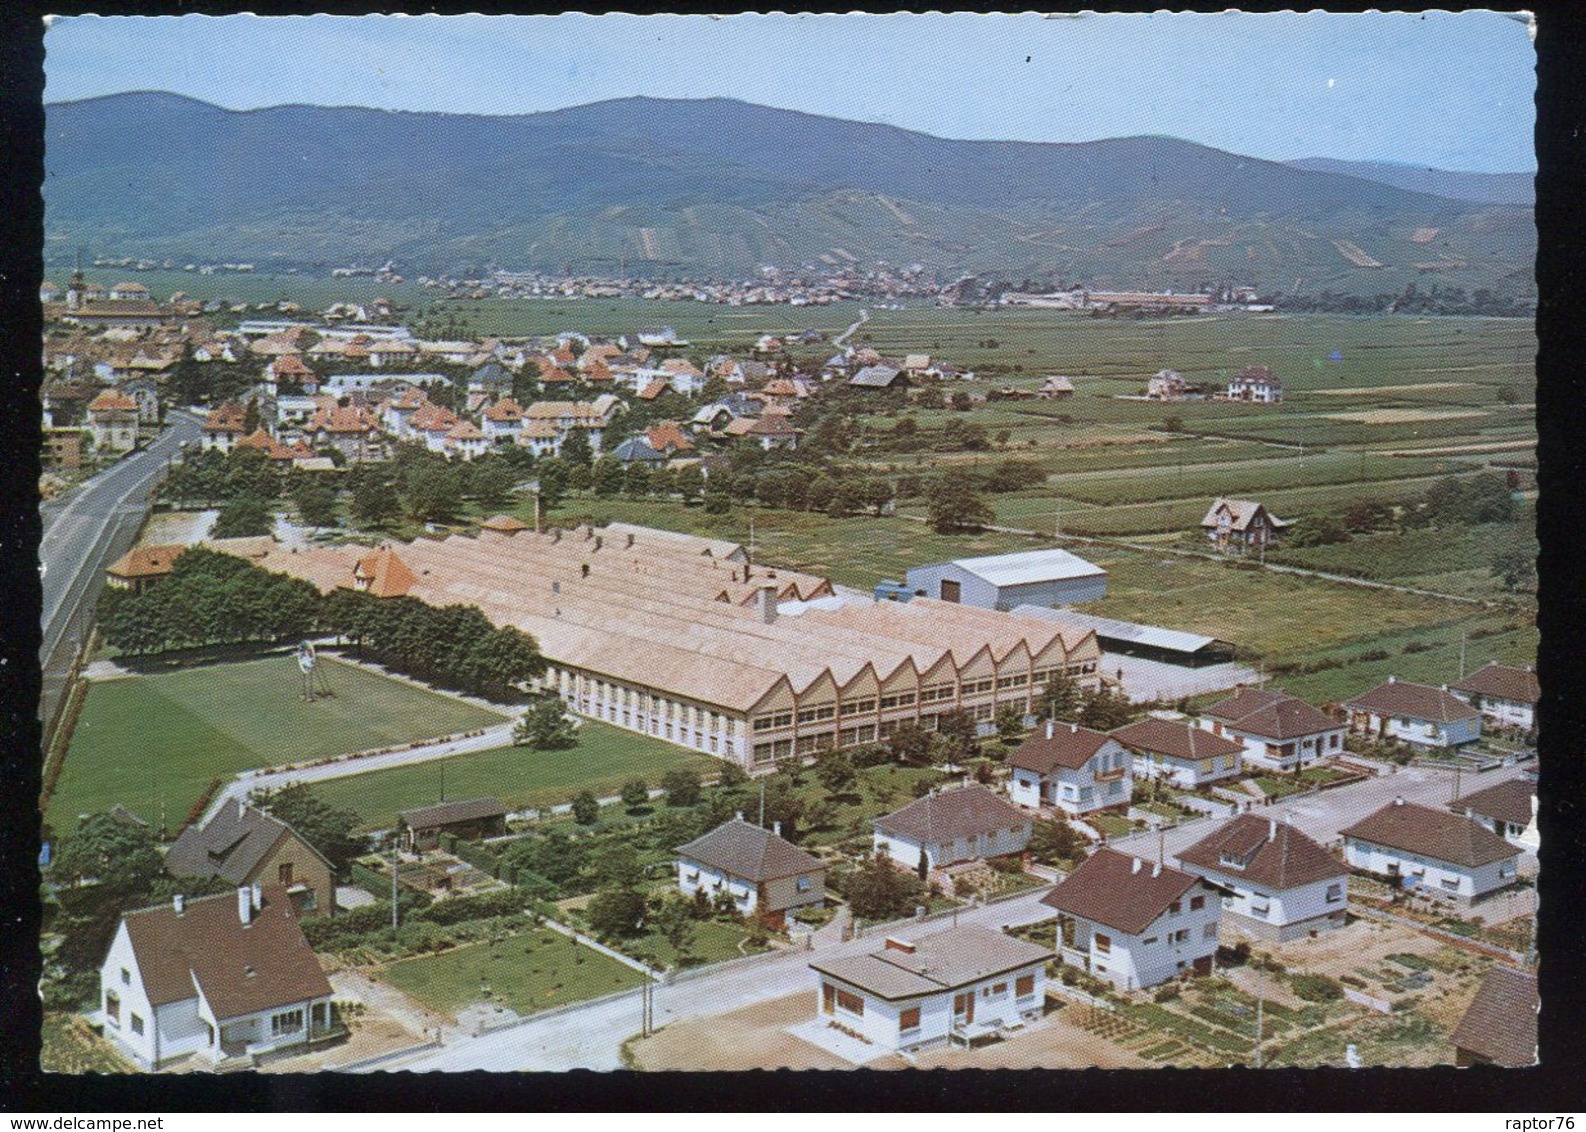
<point x="83" y="533"/>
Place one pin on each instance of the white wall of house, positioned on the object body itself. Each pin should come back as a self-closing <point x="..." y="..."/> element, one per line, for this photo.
<point x="1419" y="732"/>
<point x="1105" y="780"/>
<point x="1508" y="713"/>
<point x="1431" y="876"/>
<point x="1281" y="754"/>
<point x="998" y="843"/>
<point x="1282" y="908"/>
<point x="879" y="1019"/>
<point x="696" y="876"/>
<point x="1186" y="773"/>
<point x="1163" y="951"/>
<point x="122" y="998"/>
<point x="1524" y="836"/>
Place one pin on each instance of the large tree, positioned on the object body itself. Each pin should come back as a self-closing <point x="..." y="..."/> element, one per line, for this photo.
<point x="327" y="828"/>
<point x="244" y="517"/>
<point x="954" y="506"/>
<point x="546" y="726"/>
<point x="876" y="890"/>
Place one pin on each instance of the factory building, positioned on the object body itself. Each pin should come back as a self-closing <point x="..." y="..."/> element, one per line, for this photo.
<point x="687" y="640"/>
<point x="1001" y="581"/>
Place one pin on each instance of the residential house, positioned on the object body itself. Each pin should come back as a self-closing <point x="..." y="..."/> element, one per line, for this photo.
<point x="49" y="292"/>
<point x="145" y="392"/>
<point x="217" y="977"/>
<point x="1050" y="576"/>
<point x="1255" y="384"/>
<point x="593" y="417"/>
<point x="113" y="421"/>
<point x="668" y="438"/>
<point x="1056" y="387"/>
<point x="542" y="438"/>
<point x="1071" y="768"/>
<point x="1504" y="694"/>
<point x="1278" y="884"/>
<point x="397" y="413"/>
<point x="491" y="377"/>
<point x="780" y="393"/>
<point x="141" y="566"/>
<point x="1413" y="713"/>
<point x="651" y="390"/>
<point x="391" y="351"/>
<point x="1431" y="851"/>
<point x="271" y="448"/>
<point x="1167" y="385"/>
<point x="712" y="418"/>
<point x="1237" y="526"/>
<point x="770" y="431"/>
<point x="761" y="872"/>
<point x="503" y="421"/>
<point x="1279" y="731"/>
<point x="1135" y="923"/>
<point x="1176" y="751"/>
<point x="465" y="441"/>
<point x="470" y="820"/>
<point x="917" y="366"/>
<point x="879" y="377"/>
<point x="138" y="291"/>
<point x="1499" y="1026"/>
<point x="223" y="428"/>
<point x="949" y="826"/>
<point x="349" y="429"/>
<point x="290" y="370"/>
<point x="246" y="846"/>
<point x="683" y="375"/>
<point x="1508" y="809"/>
<point x="637" y="450"/>
<point x="959" y="985"/>
<point x="62" y="447"/>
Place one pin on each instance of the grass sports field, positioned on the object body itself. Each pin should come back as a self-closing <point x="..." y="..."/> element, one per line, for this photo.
<point x="530" y="971"/>
<point x="605" y="758"/>
<point x="154" y="742"/>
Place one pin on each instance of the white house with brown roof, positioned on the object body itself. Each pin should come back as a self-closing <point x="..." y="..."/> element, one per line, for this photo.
<point x="1176" y="751"/>
<point x="1508" y="809"/>
<point x="1279" y="731"/>
<point x="962" y="984"/>
<point x="1238" y="526"/>
<point x="949" y="826"/>
<point x="760" y="871"/>
<point x="223" y="427"/>
<point x="1278" y="884"/>
<point x="1071" y="768"/>
<point x="1504" y="694"/>
<point x="218" y="977"/>
<point x="1431" y="851"/>
<point x="1256" y="384"/>
<point x="1135" y="923"/>
<point x="1418" y="714"/>
<point x="113" y="421"/>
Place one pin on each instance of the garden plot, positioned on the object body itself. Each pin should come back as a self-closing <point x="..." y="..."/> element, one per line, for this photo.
<point x="1404" y="416"/>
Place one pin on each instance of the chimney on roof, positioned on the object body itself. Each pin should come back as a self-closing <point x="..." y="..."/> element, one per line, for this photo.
<point x="1051" y="726"/>
<point x="630" y="539"/>
<point x="1272" y="829"/>
<point x="600" y="541"/>
<point x="776" y="828"/>
<point x="589" y="532"/>
<point x="177" y="903"/>
<point x="245" y="904"/>
<point x="256" y="893"/>
<point x="1073" y="729"/>
<point x="1392" y="679"/>
<point x="738" y="816"/>
<point x="1136" y="866"/>
<point x="556" y="536"/>
<point x="767" y="604"/>
<point x="893" y="943"/>
<point x="1156" y="868"/>
<point x="1399" y="801"/>
<point x="1445" y="687"/>
<point x="242" y="809"/>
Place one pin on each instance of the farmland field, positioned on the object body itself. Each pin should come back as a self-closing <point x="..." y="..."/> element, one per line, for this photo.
<point x="604" y="759"/>
<point x="154" y="742"/>
<point x="530" y="971"/>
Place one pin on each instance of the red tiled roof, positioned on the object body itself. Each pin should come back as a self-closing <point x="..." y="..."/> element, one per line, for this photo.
<point x="1513" y="801"/>
<point x="747" y="851"/>
<point x="654" y="389"/>
<point x="146" y="561"/>
<point x="386" y="574"/>
<point x="1176" y="738"/>
<point x="1271" y="714"/>
<point x="1415" y="701"/>
<point x="507" y="524"/>
<point x="1070" y="746"/>
<point x="504" y="411"/>
<point x="1432" y="833"/>
<point x="1119" y="891"/>
<point x="952" y="814"/>
<point x="112" y="401"/>
<point x="668" y="435"/>
<point x="1500" y="1023"/>
<point x="1274" y="854"/>
<point x="1502" y="682"/>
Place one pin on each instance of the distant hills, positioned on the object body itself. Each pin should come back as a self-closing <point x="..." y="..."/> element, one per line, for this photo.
<point x="1488" y="188"/>
<point x="715" y="188"/>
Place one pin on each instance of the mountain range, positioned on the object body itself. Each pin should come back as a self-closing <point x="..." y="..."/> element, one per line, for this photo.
<point x="716" y="188"/>
<point x="1489" y="188"/>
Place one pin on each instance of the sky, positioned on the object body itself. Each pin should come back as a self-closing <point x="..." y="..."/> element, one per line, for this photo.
<point x="1453" y="90"/>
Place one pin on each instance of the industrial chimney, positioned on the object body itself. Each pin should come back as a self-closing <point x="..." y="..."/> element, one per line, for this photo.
<point x="767" y="604"/>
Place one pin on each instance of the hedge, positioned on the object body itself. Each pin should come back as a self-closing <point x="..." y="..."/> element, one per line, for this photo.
<point x="460" y="908"/>
<point x="479" y="856"/>
<point x="369" y="880"/>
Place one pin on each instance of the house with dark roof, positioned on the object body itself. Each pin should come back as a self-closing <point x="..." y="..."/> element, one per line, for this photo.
<point x="949" y="826"/>
<point x="760" y="871"/>
<point x="1135" y="923"/>
<point x="469" y="820"/>
<point x="1433" y="852"/>
<point x="959" y="985"/>
<point x="878" y="377"/>
<point x="1071" y="768"/>
<point x="1176" y="751"/>
<point x="637" y="450"/>
<point x="1508" y="809"/>
<point x="1414" y="713"/>
<point x="246" y="846"/>
<point x="1237" y="526"/>
<point x="1279" y="731"/>
<point x="1504" y="694"/>
<point x="221" y="978"/>
<point x="1257" y="384"/>
<point x="1499" y="1026"/>
<point x="1278" y="884"/>
<point x="142" y="566"/>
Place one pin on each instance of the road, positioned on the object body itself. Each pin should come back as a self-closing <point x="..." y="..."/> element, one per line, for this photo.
<point x="590" y="1037"/>
<point x="864" y="317"/>
<point x="84" y="532"/>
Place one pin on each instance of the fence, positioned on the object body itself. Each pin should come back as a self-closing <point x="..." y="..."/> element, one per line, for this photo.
<point x="553" y="1011"/>
<point x="1454" y="939"/>
<point x="1380" y="1005"/>
<point x="380" y="1059"/>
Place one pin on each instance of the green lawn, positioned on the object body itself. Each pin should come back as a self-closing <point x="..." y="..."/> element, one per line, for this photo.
<point x="714" y="941"/>
<point x="530" y="971"/>
<point x="605" y="758"/>
<point x="154" y="742"/>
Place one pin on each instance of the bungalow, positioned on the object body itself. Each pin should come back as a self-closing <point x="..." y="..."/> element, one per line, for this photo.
<point x="1508" y="809"/>
<point x="1278" y="883"/>
<point x="1414" y="713"/>
<point x="949" y="826"/>
<point x="246" y="846"/>
<point x="1236" y="526"/>
<point x="113" y="421"/>
<point x="141" y="566"/>
<point x="1504" y="694"/>
<point x="958" y="985"/>
<point x="1499" y="1026"/>
<point x="1135" y="923"/>
<point x="219" y="977"/>
<point x="1279" y="731"/>
<point x="759" y="871"/>
<point x="1432" y="851"/>
<point x="1071" y="768"/>
<point x="1179" y="752"/>
<point x="1255" y="384"/>
<point x="468" y="820"/>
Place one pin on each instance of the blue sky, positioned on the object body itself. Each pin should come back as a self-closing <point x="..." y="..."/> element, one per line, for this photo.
<point x="1452" y="90"/>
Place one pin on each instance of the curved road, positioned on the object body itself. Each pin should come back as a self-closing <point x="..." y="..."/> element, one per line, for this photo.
<point x="86" y="530"/>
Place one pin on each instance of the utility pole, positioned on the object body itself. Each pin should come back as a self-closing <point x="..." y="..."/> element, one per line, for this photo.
<point x="443" y="779"/>
<point x="762" y="803"/>
<point x="1261" y="1000"/>
<point x="1463" y="636"/>
<point x="394" y="859"/>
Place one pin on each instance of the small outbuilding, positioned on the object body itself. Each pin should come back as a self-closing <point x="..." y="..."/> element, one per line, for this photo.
<point x="1046" y="577"/>
<point x="470" y="820"/>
